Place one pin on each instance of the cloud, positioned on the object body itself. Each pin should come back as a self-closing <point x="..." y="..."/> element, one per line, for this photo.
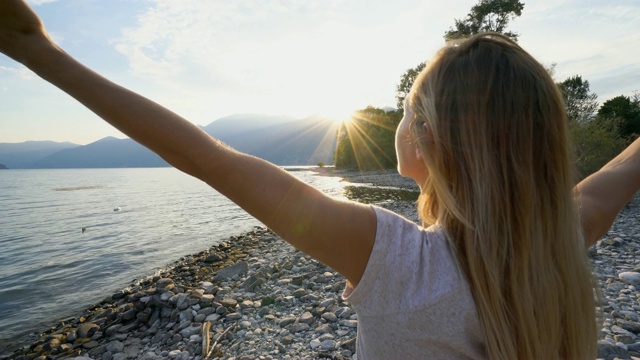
<point x="39" y="2"/>
<point x="273" y="54"/>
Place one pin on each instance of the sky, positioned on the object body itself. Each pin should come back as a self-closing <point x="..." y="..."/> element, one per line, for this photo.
<point x="207" y="59"/>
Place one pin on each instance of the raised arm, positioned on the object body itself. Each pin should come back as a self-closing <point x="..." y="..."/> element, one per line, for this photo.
<point x="602" y="195"/>
<point x="339" y="234"/>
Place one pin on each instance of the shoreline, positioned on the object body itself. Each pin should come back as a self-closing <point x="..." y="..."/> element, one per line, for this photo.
<point x="264" y="298"/>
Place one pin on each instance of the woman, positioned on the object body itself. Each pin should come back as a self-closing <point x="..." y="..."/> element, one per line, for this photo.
<point x="501" y="271"/>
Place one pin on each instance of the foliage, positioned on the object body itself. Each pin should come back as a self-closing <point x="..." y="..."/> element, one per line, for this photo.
<point x="321" y="164"/>
<point x="580" y="102"/>
<point x="406" y="82"/>
<point x="487" y="15"/>
<point x="367" y="141"/>
<point x="624" y="113"/>
<point x="594" y="144"/>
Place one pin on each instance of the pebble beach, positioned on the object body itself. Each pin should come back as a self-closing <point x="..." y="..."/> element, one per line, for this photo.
<point x="254" y="296"/>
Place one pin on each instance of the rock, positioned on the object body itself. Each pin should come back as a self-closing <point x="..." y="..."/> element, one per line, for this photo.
<point x="229" y="302"/>
<point x="323" y="329"/>
<point x="233" y="270"/>
<point x="253" y="282"/>
<point x="115" y="347"/>
<point x="634" y="327"/>
<point x="328" y="345"/>
<point x="287" y="321"/>
<point x="631" y="278"/>
<point x="349" y="344"/>
<point x="214" y="257"/>
<point x="87" y="330"/>
<point x="306" y="318"/>
<point x="233" y="316"/>
<point x="213" y="317"/>
<point x="299" y="293"/>
<point x="349" y="323"/>
<point x="267" y="300"/>
<point x="329" y="316"/>
<point x="296" y="328"/>
<point x="90" y="344"/>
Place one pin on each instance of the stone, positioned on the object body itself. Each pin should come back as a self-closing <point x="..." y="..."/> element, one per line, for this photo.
<point x="213" y="258"/>
<point x="213" y="317"/>
<point x="233" y="270"/>
<point x="299" y="293"/>
<point x="306" y="318"/>
<point x="87" y="330"/>
<point x="115" y="346"/>
<point x="233" y="316"/>
<point x="267" y="300"/>
<point x="630" y="277"/>
<point x="323" y="329"/>
<point x="296" y="328"/>
<point x="634" y="327"/>
<point x="328" y="345"/>
<point x="253" y="282"/>
<point x="229" y="302"/>
<point x="287" y="321"/>
<point x="90" y="344"/>
<point x="349" y="344"/>
<point x="164" y="282"/>
<point x="329" y="316"/>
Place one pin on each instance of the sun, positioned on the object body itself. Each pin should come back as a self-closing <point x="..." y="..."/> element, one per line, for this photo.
<point x="340" y="116"/>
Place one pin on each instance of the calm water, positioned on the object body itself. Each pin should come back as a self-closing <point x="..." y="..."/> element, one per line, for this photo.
<point x="136" y="221"/>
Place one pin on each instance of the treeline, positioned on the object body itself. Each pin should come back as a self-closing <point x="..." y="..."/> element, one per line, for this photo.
<point x="367" y="141"/>
<point x="598" y="132"/>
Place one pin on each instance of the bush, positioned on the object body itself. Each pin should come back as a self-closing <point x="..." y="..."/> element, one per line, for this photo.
<point x="595" y="143"/>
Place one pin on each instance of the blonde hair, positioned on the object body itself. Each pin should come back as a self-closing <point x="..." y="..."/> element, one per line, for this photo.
<point x="492" y="129"/>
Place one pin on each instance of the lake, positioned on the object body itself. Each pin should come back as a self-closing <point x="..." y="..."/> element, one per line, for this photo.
<point x="135" y="222"/>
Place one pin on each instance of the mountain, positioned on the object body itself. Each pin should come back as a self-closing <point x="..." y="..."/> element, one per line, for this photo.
<point x="109" y="152"/>
<point x="280" y="139"/>
<point x="3" y="167"/>
<point x="22" y="155"/>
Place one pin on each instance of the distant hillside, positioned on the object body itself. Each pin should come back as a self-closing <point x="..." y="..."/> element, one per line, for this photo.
<point x="105" y="153"/>
<point x="3" y="167"/>
<point x="298" y="142"/>
<point x="279" y="139"/>
<point x="22" y="155"/>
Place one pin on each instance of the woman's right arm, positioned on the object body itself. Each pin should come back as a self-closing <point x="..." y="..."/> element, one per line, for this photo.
<point x="338" y="233"/>
<point x="603" y="194"/>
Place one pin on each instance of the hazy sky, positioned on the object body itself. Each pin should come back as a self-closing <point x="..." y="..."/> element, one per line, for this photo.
<point x="206" y="59"/>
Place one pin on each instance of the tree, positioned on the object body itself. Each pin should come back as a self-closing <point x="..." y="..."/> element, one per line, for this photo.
<point x="624" y="113"/>
<point x="579" y="101"/>
<point x="487" y="15"/>
<point x="367" y="141"/>
<point x="406" y="82"/>
<point x="595" y="143"/>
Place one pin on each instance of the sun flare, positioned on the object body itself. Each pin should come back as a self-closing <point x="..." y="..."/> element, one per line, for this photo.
<point x="340" y="116"/>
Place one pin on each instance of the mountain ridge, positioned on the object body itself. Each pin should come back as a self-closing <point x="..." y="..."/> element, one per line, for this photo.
<point x="282" y="140"/>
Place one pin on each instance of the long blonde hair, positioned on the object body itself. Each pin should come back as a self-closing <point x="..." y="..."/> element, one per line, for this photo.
<point x="492" y="129"/>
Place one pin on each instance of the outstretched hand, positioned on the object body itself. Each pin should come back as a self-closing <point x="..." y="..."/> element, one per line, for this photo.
<point x="21" y="30"/>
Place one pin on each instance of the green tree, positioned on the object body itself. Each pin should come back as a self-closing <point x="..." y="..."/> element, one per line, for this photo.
<point x="487" y="15"/>
<point x="595" y="143"/>
<point x="406" y="82"/>
<point x="624" y="113"/>
<point x="579" y="101"/>
<point x="367" y="141"/>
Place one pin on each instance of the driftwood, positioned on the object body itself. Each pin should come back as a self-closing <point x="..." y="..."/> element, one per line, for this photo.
<point x="207" y="348"/>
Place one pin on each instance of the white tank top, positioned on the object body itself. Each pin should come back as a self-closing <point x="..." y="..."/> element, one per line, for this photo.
<point x="412" y="302"/>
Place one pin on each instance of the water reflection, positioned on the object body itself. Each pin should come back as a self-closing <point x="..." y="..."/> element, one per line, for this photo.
<point x="370" y="195"/>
